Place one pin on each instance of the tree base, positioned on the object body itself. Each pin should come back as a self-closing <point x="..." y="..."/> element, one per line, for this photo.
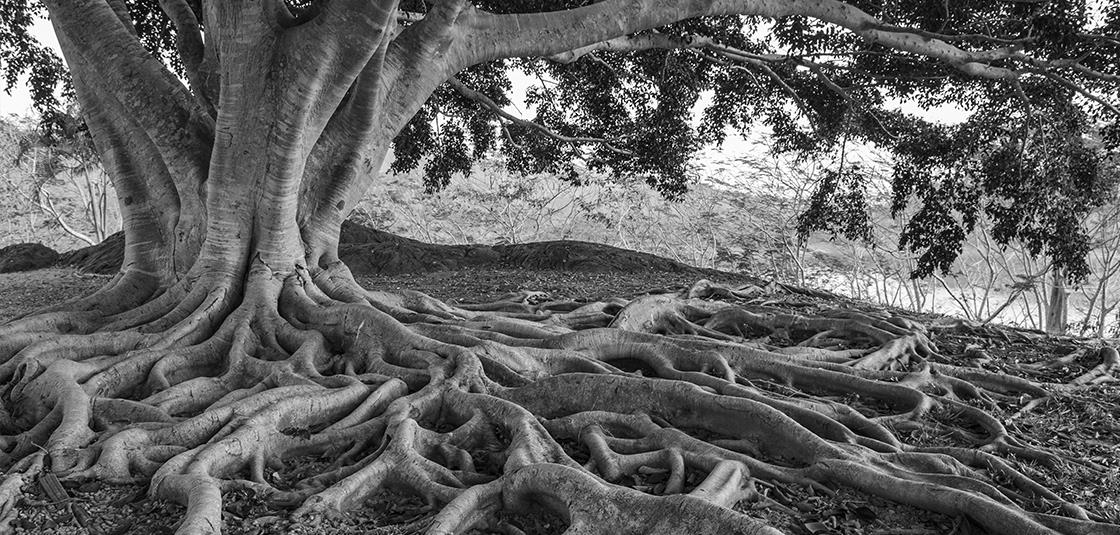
<point x="654" y="415"/>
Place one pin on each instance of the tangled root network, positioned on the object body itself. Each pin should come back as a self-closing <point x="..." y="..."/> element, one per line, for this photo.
<point x="513" y="407"/>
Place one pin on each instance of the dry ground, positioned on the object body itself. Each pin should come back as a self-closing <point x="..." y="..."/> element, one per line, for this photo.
<point x="1084" y="425"/>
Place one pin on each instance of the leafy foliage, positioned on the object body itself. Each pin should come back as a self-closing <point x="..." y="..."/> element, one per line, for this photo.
<point x="1028" y="156"/>
<point x="1036" y="171"/>
<point x="1022" y="158"/>
<point x="45" y="176"/>
<point x="22" y="55"/>
<point x="156" y="31"/>
<point x="838" y="205"/>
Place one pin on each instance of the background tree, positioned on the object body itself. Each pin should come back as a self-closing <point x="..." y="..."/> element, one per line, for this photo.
<point x="68" y="184"/>
<point x="233" y="337"/>
<point x="1100" y="290"/>
<point x="52" y="180"/>
<point x="22" y="219"/>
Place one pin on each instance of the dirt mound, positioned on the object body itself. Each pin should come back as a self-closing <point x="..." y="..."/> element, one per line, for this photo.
<point x="104" y="258"/>
<point x="25" y="257"/>
<point x="369" y="251"/>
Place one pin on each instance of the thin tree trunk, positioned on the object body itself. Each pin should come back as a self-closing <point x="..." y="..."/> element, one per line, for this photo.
<point x="1056" y="313"/>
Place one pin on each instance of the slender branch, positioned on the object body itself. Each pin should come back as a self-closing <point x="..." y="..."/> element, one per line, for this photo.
<point x="797" y="100"/>
<point x="497" y="110"/>
<point x="1080" y="90"/>
<point x="47" y="206"/>
<point x="818" y="70"/>
<point x="188" y="41"/>
<point x="831" y="85"/>
<point x="629" y="43"/>
<point x="723" y="54"/>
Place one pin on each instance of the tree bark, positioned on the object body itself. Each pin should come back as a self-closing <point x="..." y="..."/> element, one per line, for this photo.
<point x="1058" y="306"/>
<point x="234" y="338"/>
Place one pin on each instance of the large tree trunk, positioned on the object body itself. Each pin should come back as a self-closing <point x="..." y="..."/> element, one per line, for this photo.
<point x="234" y="338"/>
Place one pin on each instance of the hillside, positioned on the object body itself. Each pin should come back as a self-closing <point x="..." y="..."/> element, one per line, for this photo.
<point x="369" y="251"/>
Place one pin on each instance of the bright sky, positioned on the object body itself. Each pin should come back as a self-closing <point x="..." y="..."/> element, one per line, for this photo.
<point x="19" y="101"/>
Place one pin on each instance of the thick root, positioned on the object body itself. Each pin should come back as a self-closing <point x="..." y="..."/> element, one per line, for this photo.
<point x="590" y="506"/>
<point x="515" y="406"/>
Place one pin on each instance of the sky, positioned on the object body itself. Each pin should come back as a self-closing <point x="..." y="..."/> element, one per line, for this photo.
<point x="18" y="102"/>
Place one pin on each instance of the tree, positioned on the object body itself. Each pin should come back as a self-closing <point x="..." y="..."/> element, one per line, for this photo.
<point x="63" y="155"/>
<point x="22" y="220"/>
<point x="1099" y="292"/>
<point x="239" y="134"/>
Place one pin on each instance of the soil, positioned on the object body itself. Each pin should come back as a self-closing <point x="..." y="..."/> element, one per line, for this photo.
<point x="1083" y="424"/>
<point x="27" y="291"/>
<point x="26" y="256"/>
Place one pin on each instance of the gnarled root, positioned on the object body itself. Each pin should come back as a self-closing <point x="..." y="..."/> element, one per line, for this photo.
<point x="1104" y="372"/>
<point x="514" y="406"/>
<point x="590" y="506"/>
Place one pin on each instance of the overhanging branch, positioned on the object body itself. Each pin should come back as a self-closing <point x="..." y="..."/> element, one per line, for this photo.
<point x="719" y="52"/>
<point x="610" y="25"/>
<point x="543" y="130"/>
<point x="547" y="34"/>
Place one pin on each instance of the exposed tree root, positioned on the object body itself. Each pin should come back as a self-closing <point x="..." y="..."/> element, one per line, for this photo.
<point x="1104" y="372"/>
<point x="485" y="408"/>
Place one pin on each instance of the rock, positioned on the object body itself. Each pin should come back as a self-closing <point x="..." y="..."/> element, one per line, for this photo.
<point x="26" y="257"/>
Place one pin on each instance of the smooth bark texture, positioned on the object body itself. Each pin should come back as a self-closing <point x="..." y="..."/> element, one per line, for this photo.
<point x="234" y="339"/>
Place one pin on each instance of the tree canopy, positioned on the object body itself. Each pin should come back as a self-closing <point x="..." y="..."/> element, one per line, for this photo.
<point x="1037" y="82"/>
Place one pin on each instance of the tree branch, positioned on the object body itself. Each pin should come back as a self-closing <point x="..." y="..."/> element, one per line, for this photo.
<point x="188" y="42"/>
<point x="497" y="110"/>
<point x="159" y="103"/>
<point x="344" y="43"/>
<point x="121" y="11"/>
<point x="955" y="38"/>
<point x="210" y="67"/>
<point x="424" y="55"/>
<point x="46" y="205"/>
<point x="157" y="181"/>
<point x="551" y="33"/>
<point x="345" y="151"/>
<point x="354" y="29"/>
<point x="1080" y="90"/>
<point x="629" y="43"/>
<point x="797" y="100"/>
<point x="355" y="17"/>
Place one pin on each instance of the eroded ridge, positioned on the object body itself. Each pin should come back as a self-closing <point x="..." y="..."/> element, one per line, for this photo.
<point x="514" y="406"/>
